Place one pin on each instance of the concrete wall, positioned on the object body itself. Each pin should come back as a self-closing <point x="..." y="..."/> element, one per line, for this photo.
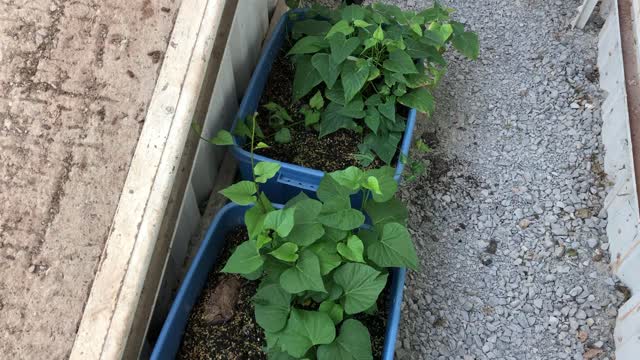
<point x="623" y="227"/>
<point x="213" y="50"/>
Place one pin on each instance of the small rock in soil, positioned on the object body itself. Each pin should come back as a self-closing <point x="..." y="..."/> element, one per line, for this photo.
<point x="221" y="305"/>
<point x="492" y="248"/>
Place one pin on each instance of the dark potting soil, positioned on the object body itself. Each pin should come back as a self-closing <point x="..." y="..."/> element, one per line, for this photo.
<point x="377" y="323"/>
<point x="241" y="338"/>
<point x="330" y="153"/>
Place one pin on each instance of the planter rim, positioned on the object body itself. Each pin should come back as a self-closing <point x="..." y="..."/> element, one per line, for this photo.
<point x="186" y="298"/>
<point x="264" y="63"/>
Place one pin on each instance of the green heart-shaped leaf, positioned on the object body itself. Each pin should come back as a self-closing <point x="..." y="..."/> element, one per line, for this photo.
<point x="327" y="255"/>
<point x="382" y="213"/>
<point x="362" y="285"/>
<point x="372" y="119"/>
<point x="281" y="221"/>
<point x="304" y="275"/>
<point x="223" y="137"/>
<point x="353" y="12"/>
<point x="272" y="307"/>
<point x="384" y="145"/>
<point x="286" y="252"/>
<point x="283" y="136"/>
<point x="388" y="109"/>
<point x="344" y="219"/>
<point x="310" y="27"/>
<point x="333" y="120"/>
<point x="265" y="170"/>
<point x="327" y="68"/>
<point x="353" y="343"/>
<point x="400" y="62"/>
<point x="419" y="99"/>
<point x="241" y="193"/>
<point x="354" y="109"/>
<point x="305" y="78"/>
<point x="386" y="181"/>
<point x="393" y="247"/>
<point x="467" y="43"/>
<point x="330" y="189"/>
<point x="342" y="47"/>
<point x="308" y="45"/>
<point x="307" y="228"/>
<point x="353" y="79"/>
<point x="341" y="26"/>
<point x="335" y="311"/>
<point x="317" y="101"/>
<point x="350" y="177"/>
<point x="352" y="250"/>
<point x="304" y="330"/>
<point x="246" y="259"/>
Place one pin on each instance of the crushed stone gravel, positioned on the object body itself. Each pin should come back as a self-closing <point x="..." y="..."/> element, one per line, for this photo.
<point x="508" y="220"/>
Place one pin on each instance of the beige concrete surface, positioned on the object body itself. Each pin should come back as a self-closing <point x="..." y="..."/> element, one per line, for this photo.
<point x="76" y="78"/>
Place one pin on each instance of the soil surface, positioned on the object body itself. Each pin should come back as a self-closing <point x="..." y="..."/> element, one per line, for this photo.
<point x="239" y="338"/>
<point x="376" y="323"/>
<point x="75" y="81"/>
<point x="330" y="153"/>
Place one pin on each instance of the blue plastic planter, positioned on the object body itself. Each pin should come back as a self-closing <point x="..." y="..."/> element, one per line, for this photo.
<point x="230" y="216"/>
<point x="291" y="178"/>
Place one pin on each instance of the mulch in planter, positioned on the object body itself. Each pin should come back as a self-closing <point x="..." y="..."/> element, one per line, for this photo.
<point x="377" y="323"/>
<point x="208" y="336"/>
<point x="329" y="153"/>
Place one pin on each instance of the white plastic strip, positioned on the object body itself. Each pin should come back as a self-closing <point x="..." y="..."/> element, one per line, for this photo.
<point x="622" y="201"/>
<point x="110" y="309"/>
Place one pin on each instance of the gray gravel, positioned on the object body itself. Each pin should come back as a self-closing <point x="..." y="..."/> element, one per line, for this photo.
<point x="508" y="221"/>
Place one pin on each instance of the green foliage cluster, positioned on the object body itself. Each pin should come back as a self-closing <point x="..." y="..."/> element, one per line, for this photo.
<point x="360" y="62"/>
<point x="318" y="264"/>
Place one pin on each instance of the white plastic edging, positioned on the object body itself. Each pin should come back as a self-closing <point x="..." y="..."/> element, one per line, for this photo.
<point x="239" y="56"/>
<point x="584" y="13"/>
<point x="110" y="309"/>
<point x="622" y="201"/>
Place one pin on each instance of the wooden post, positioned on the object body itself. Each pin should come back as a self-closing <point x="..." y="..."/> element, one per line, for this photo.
<point x="584" y="13"/>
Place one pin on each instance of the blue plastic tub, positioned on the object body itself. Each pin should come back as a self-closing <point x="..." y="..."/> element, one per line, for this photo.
<point x="230" y="216"/>
<point x="291" y="178"/>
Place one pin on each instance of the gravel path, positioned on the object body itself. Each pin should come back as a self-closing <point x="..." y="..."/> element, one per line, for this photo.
<point x="508" y="221"/>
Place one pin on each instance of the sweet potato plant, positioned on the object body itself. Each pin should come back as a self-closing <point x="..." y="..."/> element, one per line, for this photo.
<point x="320" y="262"/>
<point x="359" y="63"/>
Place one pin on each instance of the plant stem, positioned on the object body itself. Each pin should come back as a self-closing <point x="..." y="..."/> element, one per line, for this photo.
<point x="365" y="195"/>
<point x="253" y="136"/>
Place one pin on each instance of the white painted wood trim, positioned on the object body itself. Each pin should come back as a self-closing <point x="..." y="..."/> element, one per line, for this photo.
<point x="623" y="227"/>
<point x="109" y="312"/>
<point x="584" y="13"/>
<point x="238" y="57"/>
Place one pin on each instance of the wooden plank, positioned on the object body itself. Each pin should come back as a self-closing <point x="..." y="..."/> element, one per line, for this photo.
<point x="618" y="63"/>
<point x="272" y="7"/>
<point x="279" y="10"/>
<point x="584" y="13"/>
<point x="187" y="226"/>
<point x="134" y="240"/>
<point x="226" y="176"/>
<point x="221" y="112"/>
<point x="160" y="255"/>
<point x="226" y="173"/>
<point x="245" y="40"/>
